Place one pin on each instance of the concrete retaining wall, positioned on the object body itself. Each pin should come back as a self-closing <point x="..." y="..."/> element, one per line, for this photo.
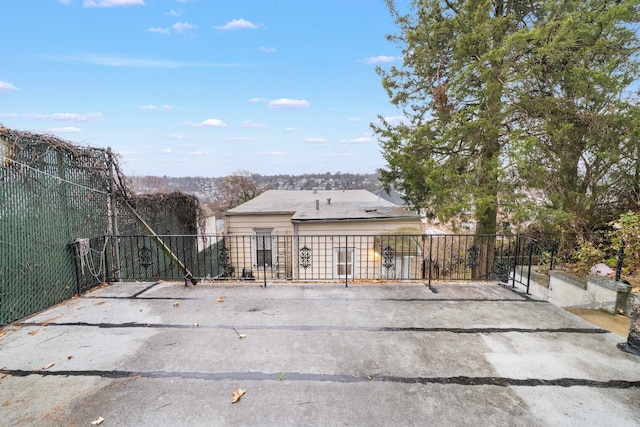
<point x="566" y="290"/>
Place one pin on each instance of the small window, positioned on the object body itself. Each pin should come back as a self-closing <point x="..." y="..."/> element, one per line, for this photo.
<point x="343" y="262"/>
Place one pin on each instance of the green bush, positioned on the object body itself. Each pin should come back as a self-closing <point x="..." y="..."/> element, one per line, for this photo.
<point x="626" y="231"/>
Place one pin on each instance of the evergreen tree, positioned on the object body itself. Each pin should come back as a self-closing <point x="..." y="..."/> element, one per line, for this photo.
<point x="509" y="99"/>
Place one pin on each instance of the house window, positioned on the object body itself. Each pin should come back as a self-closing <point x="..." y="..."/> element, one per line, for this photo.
<point x="264" y="248"/>
<point x="344" y="259"/>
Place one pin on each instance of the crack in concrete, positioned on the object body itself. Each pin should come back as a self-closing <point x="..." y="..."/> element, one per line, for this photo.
<point x="297" y="376"/>
<point x="486" y="330"/>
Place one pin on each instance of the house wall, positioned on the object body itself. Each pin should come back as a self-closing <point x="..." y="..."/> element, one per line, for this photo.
<point x="364" y="227"/>
<point x="367" y="261"/>
<point x="246" y="224"/>
<point x="307" y="251"/>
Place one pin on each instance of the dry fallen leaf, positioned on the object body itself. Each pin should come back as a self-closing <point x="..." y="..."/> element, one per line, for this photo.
<point x="48" y="365"/>
<point x="237" y="395"/>
<point x="98" y="421"/>
<point x="33" y="332"/>
<point x="241" y="336"/>
<point x="100" y="302"/>
<point x="177" y="303"/>
<point x="69" y="357"/>
<point x="196" y="324"/>
<point x="220" y="299"/>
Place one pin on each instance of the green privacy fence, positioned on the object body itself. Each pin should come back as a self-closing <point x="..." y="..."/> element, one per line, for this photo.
<point x="58" y="205"/>
<point x="51" y="193"/>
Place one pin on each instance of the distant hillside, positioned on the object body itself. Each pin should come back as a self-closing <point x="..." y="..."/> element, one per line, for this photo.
<point x="205" y="188"/>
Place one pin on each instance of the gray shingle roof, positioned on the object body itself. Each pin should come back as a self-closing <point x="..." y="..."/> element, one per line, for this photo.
<point x="322" y="205"/>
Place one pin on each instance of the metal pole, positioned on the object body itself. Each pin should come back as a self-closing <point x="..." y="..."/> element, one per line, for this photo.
<point x="619" y="264"/>
<point x="115" y="244"/>
<point x="430" y="257"/>
<point x="533" y="241"/>
<point x="264" y="260"/>
<point x="515" y="260"/>
<point x="346" y="262"/>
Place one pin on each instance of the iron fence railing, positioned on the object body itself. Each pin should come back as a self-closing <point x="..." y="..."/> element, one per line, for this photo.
<point x="341" y="258"/>
<point x="531" y="254"/>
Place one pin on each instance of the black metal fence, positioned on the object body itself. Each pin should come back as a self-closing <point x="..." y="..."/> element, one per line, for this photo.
<point x="341" y="258"/>
<point x="531" y="254"/>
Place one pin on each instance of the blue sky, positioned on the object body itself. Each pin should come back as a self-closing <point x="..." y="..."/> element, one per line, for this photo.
<point x="202" y="87"/>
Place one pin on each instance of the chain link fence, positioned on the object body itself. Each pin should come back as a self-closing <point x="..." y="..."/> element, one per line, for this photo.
<point x="51" y="193"/>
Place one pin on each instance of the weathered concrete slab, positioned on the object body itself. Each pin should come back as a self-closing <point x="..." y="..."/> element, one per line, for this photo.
<point x="165" y="354"/>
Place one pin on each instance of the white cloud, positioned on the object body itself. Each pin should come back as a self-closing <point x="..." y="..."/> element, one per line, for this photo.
<point x="155" y="107"/>
<point x="7" y="87"/>
<point x="119" y="61"/>
<point x="315" y="140"/>
<point x="237" y="24"/>
<point x="289" y="103"/>
<point x="65" y="117"/>
<point x="396" y="120"/>
<point x="187" y="1"/>
<point x="379" y="59"/>
<point x="258" y="100"/>
<point x="274" y="153"/>
<point x="178" y="136"/>
<point x="290" y="129"/>
<point x="65" y="2"/>
<point x="209" y="123"/>
<point x="198" y="153"/>
<point x="111" y="3"/>
<point x="240" y="139"/>
<point x="354" y="119"/>
<point x="174" y="13"/>
<point x="360" y="140"/>
<point x="159" y="30"/>
<point x="181" y="27"/>
<point x="166" y="151"/>
<point x="342" y="155"/>
<point x="66" y="129"/>
<point x="253" y="125"/>
<point x="267" y="49"/>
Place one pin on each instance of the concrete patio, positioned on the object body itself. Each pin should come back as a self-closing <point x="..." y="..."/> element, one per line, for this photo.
<point x="144" y="354"/>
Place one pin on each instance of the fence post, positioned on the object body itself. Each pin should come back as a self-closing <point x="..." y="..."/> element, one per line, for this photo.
<point x="554" y="248"/>
<point x="430" y="258"/>
<point x="113" y="223"/>
<point x="619" y="264"/>
<point x="346" y="262"/>
<point x="264" y="260"/>
<point x="533" y="241"/>
<point x="516" y="253"/>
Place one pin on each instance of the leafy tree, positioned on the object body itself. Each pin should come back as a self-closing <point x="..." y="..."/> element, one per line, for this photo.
<point x="452" y="89"/>
<point x="511" y="106"/>
<point x="577" y="123"/>
<point x="233" y="191"/>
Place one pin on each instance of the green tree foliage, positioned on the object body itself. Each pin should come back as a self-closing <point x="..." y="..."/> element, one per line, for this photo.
<point x="513" y="106"/>
<point x="578" y="126"/>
